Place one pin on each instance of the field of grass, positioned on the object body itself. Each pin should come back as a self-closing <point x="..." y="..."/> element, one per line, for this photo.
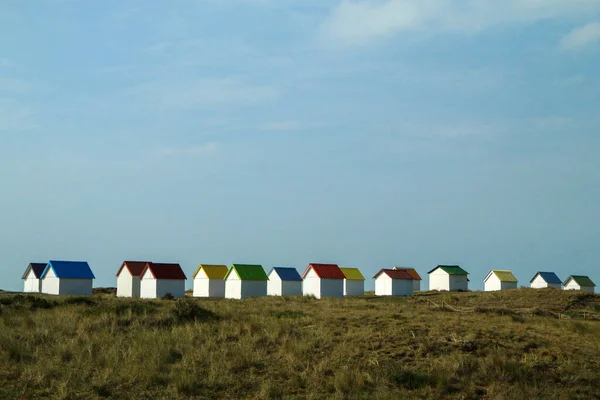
<point x="520" y="344"/>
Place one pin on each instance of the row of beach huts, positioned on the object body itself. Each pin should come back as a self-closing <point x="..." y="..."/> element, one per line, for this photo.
<point x="146" y="279"/>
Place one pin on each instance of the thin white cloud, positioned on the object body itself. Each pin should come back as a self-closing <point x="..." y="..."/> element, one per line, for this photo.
<point x="582" y="37"/>
<point x="203" y="93"/>
<point x="360" y="22"/>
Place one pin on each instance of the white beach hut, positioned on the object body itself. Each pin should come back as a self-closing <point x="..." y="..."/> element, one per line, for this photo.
<point x="67" y="277"/>
<point x="394" y="282"/>
<point x="158" y="279"/>
<point x="498" y="279"/>
<point x="448" y="277"/>
<point x="128" y="278"/>
<point x="209" y="280"/>
<point x="284" y="281"/>
<point x="31" y="277"/>
<point x="579" y="282"/>
<point x="543" y="280"/>
<point x="323" y="280"/>
<point x="354" y="282"/>
<point x="245" y="280"/>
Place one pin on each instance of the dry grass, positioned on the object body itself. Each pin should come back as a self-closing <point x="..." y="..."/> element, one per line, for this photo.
<point x="512" y="345"/>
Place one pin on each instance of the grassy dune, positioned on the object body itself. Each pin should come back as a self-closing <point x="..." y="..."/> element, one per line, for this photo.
<point x="520" y="344"/>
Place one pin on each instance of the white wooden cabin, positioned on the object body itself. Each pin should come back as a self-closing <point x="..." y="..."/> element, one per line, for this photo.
<point x="579" y="282"/>
<point x="245" y="280"/>
<point x="498" y="279"/>
<point x="448" y="277"/>
<point x="394" y="282"/>
<point x="284" y="281"/>
<point x="128" y="278"/>
<point x="158" y="279"/>
<point x="542" y="280"/>
<point x="31" y="277"/>
<point x="209" y="280"/>
<point x="67" y="278"/>
<point x="323" y="280"/>
<point x="354" y="282"/>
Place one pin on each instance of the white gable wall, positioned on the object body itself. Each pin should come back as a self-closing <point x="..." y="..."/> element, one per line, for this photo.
<point x="439" y="280"/>
<point x="383" y="285"/>
<point x="492" y="283"/>
<point x="201" y="284"/>
<point x="275" y="285"/>
<point x="572" y="285"/>
<point x="201" y="287"/>
<point x="147" y="286"/>
<point x="354" y="288"/>
<point x="50" y="283"/>
<point x="32" y="284"/>
<point x="311" y="285"/>
<point x="233" y="286"/>
<point x="125" y="284"/>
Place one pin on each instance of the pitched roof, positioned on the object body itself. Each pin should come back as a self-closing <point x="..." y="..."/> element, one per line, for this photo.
<point x="248" y="272"/>
<point x="135" y="267"/>
<point x="164" y="271"/>
<point x="581" y="280"/>
<point x="451" y="270"/>
<point x="69" y="269"/>
<point x="352" y="274"/>
<point x="395" y="274"/>
<point x="503" y="275"/>
<point x="411" y="271"/>
<point x="325" y="271"/>
<point x="212" y="271"/>
<point x="286" y="273"/>
<point x="38" y="269"/>
<point x="549" y="277"/>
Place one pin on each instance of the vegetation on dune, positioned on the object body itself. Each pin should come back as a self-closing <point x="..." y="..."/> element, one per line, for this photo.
<point x="508" y="345"/>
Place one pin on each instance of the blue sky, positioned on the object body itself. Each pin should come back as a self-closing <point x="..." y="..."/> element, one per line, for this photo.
<point x="365" y="133"/>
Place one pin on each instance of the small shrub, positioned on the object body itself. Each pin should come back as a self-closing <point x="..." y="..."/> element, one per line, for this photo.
<point x="31" y="302"/>
<point x="103" y="390"/>
<point x="411" y="380"/>
<point x="517" y="318"/>
<point x="168" y="296"/>
<point x="189" y="311"/>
